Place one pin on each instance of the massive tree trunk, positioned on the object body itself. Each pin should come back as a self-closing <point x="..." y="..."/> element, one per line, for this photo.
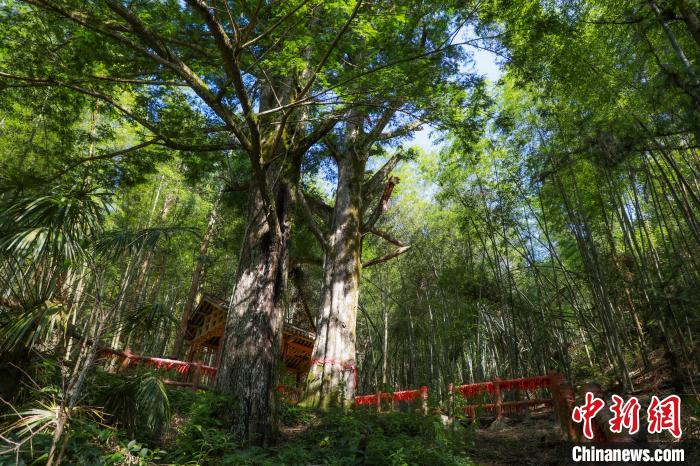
<point x="331" y="379"/>
<point x="253" y="335"/>
<point x="252" y="339"/>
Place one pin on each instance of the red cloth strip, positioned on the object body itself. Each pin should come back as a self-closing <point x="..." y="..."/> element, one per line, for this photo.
<point x="323" y="362"/>
<point x="343" y="365"/>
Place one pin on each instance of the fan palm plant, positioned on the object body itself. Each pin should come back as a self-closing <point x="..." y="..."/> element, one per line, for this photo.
<point x="43" y="240"/>
<point x="29" y="313"/>
<point x="55" y="227"/>
<point x="137" y="401"/>
<point x="42" y="237"/>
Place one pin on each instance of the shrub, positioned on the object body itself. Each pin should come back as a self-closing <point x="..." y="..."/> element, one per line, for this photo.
<point x="204" y="436"/>
<point x="390" y="438"/>
<point x="294" y="415"/>
<point x="137" y="401"/>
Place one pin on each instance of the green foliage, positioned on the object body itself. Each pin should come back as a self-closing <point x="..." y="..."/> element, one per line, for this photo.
<point x="391" y="438"/>
<point x="29" y="430"/>
<point x="136" y="402"/>
<point x="56" y="226"/>
<point x="37" y="316"/>
<point x="152" y="403"/>
<point x="203" y="437"/>
<point x="295" y="415"/>
<point x="557" y="228"/>
<point x="133" y="453"/>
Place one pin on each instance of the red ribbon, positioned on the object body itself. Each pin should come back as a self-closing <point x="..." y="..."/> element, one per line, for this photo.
<point x="407" y="395"/>
<point x="365" y="400"/>
<point x="343" y="365"/>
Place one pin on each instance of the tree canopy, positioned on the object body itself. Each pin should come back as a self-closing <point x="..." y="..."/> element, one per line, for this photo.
<point x="265" y="153"/>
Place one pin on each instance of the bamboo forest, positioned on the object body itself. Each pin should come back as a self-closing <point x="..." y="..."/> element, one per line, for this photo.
<point x="348" y="232"/>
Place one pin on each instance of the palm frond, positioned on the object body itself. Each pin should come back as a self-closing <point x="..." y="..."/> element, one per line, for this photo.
<point x="28" y="311"/>
<point x="152" y="403"/>
<point x="147" y="318"/>
<point x="27" y="328"/>
<point x="42" y="417"/>
<point x="138" y="400"/>
<point x="55" y="225"/>
<point x="118" y="243"/>
<point x="27" y="283"/>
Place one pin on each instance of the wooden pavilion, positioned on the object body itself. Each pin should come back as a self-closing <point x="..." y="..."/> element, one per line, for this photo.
<point x="205" y="331"/>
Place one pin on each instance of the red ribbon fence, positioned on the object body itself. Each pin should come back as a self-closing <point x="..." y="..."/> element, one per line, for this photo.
<point x="187" y="374"/>
<point x="561" y="399"/>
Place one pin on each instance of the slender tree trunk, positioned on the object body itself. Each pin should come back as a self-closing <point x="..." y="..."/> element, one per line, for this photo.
<point x="674" y="43"/>
<point x="385" y="340"/>
<point x="196" y="277"/>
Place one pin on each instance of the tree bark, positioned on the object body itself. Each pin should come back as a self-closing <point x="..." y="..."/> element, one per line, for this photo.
<point x="196" y="277"/>
<point x="252" y="339"/>
<point x="332" y="375"/>
<point x="331" y="379"/>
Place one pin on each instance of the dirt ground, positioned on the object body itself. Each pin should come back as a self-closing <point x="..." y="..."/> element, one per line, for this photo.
<point x="533" y="440"/>
<point x="538" y="440"/>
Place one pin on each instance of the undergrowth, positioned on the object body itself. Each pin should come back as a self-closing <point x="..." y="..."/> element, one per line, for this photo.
<point x="134" y="421"/>
<point x="338" y="438"/>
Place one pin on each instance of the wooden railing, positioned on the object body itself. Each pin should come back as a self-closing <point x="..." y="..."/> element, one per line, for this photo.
<point x="185" y="374"/>
<point x="394" y="398"/>
<point x="560" y="398"/>
<point x="497" y="387"/>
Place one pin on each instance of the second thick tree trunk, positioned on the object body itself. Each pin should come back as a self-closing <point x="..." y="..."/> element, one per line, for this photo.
<point x="331" y="379"/>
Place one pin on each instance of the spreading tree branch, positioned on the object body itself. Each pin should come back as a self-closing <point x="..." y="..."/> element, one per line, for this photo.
<point x="333" y="149"/>
<point x="400" y="131"/>
<point x="374" y="184"/>
<point x="274" y="26"/>
<point x="377" y="129"/>
<point x="385" y="258"/>
<point x="320" y="208"/>
<point x="382" y="205"/>
<point x="232" y="67"/>
<point x="161" y="138"/>
<point x="110" y="155"/>
<point x="387" y="237"/>
<point x="321" y="130"/>
<point x="310" y="220"/>
<point x="158" y="52"/>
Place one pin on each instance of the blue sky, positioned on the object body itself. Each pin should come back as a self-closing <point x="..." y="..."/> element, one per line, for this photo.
<point x="485" y="64"/>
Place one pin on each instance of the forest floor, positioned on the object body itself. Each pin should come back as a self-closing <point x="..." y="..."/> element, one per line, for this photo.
<point x="535" y="440"/>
